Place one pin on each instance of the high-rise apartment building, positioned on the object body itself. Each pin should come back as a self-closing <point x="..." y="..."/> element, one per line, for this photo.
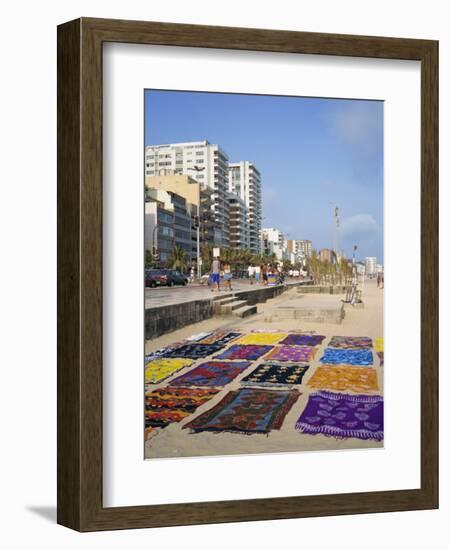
<point x="245" y="182"/>
<point x="178" y="211"/>
<point x="272" y="242"/>
<point x="371" y="265"/>
<point x="197" y="195"/>
<point x="205" y="162"/>
<point x="159" y="229"/>
<point x="239" y="231"/>
<point x="304" y="247"/>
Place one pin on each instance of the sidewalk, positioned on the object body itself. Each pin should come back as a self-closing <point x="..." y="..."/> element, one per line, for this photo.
<point x="165" y="296"/>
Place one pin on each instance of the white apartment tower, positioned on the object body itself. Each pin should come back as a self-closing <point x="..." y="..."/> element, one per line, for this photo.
<point x="272" y="242"/>
<point x="304" y="247"/>
<point x="245" y="182"/>
<point x="371" y="265"/>
<point x="205" y="162"/>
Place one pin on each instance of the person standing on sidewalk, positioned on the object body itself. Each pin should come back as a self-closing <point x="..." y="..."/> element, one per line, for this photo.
<point x="251" y="273"/>
<point x="264" y="273"/>
<point x="215" y="274"/>
<point x="227" y="276"/>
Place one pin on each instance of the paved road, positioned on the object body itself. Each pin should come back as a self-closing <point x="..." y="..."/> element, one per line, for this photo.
<point x="163" y="296"/>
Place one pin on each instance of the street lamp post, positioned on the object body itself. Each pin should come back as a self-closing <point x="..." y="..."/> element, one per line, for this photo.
<point x="197" y="169"/>
<point x="155" y="229"/>
<point x="336" y="225"/>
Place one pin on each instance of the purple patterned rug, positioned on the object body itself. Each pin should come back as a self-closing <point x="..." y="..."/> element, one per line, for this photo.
<point x="342" y="415"/>
<point x="351" y="342"/>
<point x="295" y="354"/>
<point x="303" y="340"/>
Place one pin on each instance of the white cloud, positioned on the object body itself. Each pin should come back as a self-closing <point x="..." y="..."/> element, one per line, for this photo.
<point x="359" y="123"/>
<point x="360" y="226"/>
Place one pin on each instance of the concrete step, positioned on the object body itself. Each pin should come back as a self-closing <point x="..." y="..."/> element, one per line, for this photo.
<point x="223" y="301"/>
<point x="230" y="306"/>
<point x="245" y="311"/>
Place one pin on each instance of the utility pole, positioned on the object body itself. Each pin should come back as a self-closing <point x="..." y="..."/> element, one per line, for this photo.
<point x="336" y="225"/>
<point x="155" y="243"/>
<point x="197" y="169"/>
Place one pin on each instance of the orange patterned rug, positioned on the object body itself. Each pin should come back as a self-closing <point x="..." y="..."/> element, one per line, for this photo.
<point x="356" y="379"/>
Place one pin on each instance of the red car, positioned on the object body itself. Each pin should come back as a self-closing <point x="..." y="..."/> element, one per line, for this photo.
<point x="155" y="277"/>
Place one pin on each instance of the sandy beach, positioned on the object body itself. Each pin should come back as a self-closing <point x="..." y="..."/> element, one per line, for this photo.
<point x="174" y="441"/>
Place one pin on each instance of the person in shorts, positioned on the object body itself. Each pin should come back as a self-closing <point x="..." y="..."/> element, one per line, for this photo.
<point x="227" y="276"/>
<point x="215" y="274"/>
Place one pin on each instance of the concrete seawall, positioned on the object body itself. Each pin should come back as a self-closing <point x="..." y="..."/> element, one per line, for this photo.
<point x="164" y="319"/>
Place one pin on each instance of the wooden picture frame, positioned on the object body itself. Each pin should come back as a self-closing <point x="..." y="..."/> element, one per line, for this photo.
<point x="80" y="503"/>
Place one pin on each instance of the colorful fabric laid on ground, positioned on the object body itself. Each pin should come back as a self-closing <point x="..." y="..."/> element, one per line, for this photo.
<point x="303" y="340"/>
<point x="194" y="351"/>
<point x="356" y="379"/>
<point x="160" y="352"/>
<point x="166" y="405"/>
<point x="162" y="367"/>
<point x="295" y="354"/>
<point x="221" y="337"/>
<point x="274" y="374"/>
<point x="197" y="337"/>
<point x="248" y="410"/>
<point x="379" y="345"/>
<point x="251" y="353"/>
<point x="334" y="356"/>
<point x="262" y="338"/>
<point x="153" y="355"/>
<point x="212" y="373"/>
<point x="380" y="354"/>
<point x="351" y="342"/>
<point x="342" y="415"/>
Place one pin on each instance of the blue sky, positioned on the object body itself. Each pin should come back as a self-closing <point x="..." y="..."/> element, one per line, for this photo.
<point x="313" y="154"/>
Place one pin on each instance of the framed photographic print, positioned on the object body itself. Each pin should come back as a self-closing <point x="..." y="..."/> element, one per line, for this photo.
<point x="229" y="203"/>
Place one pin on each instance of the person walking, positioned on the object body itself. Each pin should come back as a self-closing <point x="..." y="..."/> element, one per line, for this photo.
<point x="215" y="274"/>
<point x="227" y="276"/>
<point x="251" y="273"/>
<point x="257" y="273"/>
<point x="264" y="273"/>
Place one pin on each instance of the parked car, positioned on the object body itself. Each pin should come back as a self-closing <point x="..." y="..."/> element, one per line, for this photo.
<point x="175" y="277"/>
<point x="155" y="277"/>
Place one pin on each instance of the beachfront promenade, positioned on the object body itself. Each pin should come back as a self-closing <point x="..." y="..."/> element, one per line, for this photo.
<point x="165" y="296"/>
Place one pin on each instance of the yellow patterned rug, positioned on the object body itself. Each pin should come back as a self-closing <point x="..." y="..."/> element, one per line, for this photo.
<point x="160" y="369"/>
<point x="356" y="379"/>
<point x="262" y="338"/>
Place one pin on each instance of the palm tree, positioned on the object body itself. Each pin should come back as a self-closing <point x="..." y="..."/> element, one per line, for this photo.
<point x="207" y="256"/>
<point x="178" y="259"/>
<point x="149" y="259"/>
<point x="315" y="266"/>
